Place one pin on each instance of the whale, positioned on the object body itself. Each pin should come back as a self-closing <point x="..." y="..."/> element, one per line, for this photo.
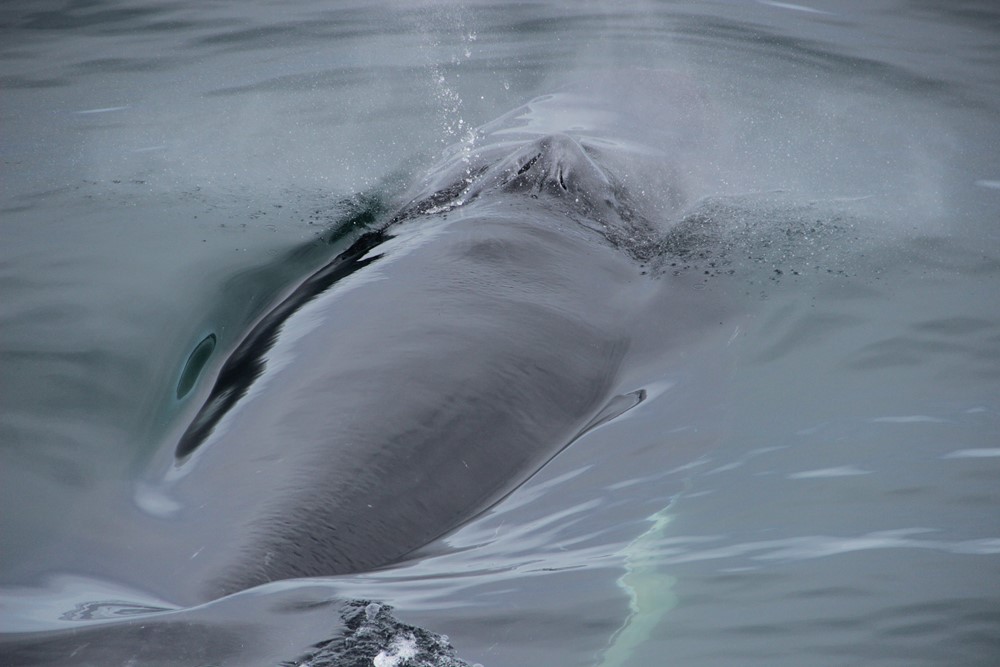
<point x="502" y="307"/>
<point x="422" y="375"/>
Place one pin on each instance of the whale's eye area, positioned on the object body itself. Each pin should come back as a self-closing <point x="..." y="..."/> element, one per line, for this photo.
<point x="195" y="364"/>
<point x="528" y="165"/>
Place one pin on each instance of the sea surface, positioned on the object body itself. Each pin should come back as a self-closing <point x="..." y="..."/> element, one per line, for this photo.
<point x="818" y="483"/>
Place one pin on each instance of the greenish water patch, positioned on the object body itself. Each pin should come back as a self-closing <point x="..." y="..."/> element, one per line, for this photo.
<point x="650" y="591"/>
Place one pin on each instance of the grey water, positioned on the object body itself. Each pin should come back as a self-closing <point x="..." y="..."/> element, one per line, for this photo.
<point x="814" y="481"/>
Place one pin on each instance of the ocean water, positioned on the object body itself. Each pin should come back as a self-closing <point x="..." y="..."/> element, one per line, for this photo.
<point x="815" y="482"/>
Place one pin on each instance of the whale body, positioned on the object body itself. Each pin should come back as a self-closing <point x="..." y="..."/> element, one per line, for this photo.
<point x="499" y="312"/>
<point x="453" y="353"/>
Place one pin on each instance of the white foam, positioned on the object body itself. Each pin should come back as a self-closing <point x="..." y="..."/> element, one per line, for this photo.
<point x="841" y="471"/>
<point x="101" y="110"/>
<point x="972" y="454"/>
<point x="793" y="7"/>
<point x="402" y="648"/>
<point x="154" y="501"/>
<point x="907" y="419"/>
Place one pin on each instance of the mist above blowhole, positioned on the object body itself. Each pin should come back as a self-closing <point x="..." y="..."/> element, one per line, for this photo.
<point x="353" y="114"/>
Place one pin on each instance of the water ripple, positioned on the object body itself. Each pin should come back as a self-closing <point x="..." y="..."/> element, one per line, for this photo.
<point x="821" y="546"/>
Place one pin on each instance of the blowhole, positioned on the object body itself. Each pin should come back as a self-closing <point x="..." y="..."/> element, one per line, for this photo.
<point x="528" y="165"/>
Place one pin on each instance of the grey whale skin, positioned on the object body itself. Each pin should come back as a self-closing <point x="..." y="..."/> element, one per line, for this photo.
<point x="418" y="378"/>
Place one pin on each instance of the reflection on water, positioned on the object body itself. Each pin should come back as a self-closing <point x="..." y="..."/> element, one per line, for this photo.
<point x="828" y="463"/>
